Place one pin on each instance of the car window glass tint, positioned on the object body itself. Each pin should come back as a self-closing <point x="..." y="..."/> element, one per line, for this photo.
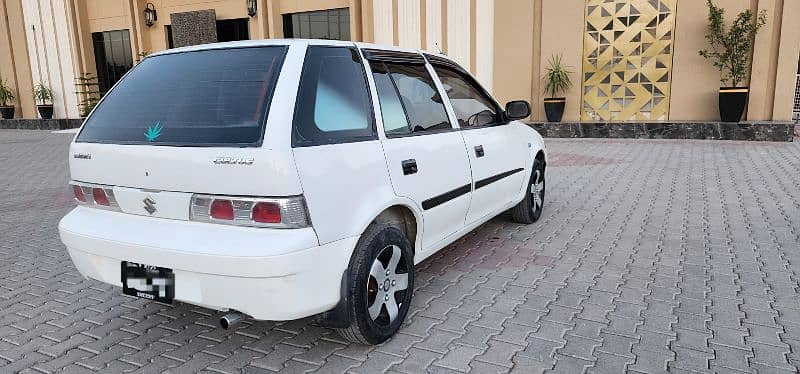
<point x="394" y="117"/>
<point x="213" y="97"/>
<point x="471" y="106"/>
<point x="333" y="104"/>
<point x="423" y="105"/>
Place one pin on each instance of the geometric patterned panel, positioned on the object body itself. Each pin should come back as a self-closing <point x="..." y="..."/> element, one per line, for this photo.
<point x="627" y="59"/>
<point x="796" y="111"/>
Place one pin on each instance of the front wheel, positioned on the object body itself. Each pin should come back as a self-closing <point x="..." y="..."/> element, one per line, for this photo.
<point x="381" y="282"/>
<point x="530" y="208"/>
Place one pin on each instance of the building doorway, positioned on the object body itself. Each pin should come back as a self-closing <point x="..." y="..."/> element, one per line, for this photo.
<point x="331" y="24"/>
<point x="112" y="56"/>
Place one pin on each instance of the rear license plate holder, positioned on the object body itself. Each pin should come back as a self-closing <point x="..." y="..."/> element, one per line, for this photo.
<point x="148" y="282"/>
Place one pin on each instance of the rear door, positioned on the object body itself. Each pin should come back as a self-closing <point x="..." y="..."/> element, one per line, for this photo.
<point x="425" y="153"/>
<point x="335" y="142"/>
<point x="497" y="157"/>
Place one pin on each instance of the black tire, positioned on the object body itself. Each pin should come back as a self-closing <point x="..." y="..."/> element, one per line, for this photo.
<point x="528" y="211"/>
<point x="364" y="290"/>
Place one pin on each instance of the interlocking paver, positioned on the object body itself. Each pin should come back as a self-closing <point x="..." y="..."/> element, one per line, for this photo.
<point x="675" y="256"/>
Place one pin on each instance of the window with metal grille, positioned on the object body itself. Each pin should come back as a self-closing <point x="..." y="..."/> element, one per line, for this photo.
<point x="331" y="24"/>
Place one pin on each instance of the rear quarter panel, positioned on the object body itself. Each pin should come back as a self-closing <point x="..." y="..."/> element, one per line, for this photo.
<point x="345" y="186"/>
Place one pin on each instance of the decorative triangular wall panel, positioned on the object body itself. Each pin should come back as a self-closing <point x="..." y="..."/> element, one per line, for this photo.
<point x="627" y="53"/>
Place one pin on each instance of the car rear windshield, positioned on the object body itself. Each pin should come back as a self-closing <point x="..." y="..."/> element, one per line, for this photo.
<point x="202" y="98"/>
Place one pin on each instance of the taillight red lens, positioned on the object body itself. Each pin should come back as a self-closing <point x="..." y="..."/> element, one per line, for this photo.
<point x="221" y="209"/>
<point x="78" y="192"/>
<point x="100" y="197"/>
<point x="267" y="213"/>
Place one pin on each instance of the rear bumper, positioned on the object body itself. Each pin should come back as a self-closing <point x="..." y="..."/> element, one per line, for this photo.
<point x="267" y="274"/>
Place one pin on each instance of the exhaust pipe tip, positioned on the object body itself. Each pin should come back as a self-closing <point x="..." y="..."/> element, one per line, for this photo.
<point x="231" y="319"/>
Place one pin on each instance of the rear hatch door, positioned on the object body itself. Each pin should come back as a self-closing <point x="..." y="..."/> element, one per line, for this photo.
<point x="184" y="123"/>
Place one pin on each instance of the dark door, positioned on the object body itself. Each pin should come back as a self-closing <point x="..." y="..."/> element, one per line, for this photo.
<point x="229" y="30"/>
<point x="112" y="56"/>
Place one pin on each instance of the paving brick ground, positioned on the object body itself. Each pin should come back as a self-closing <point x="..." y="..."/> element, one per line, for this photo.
<point x="651" y="256"/>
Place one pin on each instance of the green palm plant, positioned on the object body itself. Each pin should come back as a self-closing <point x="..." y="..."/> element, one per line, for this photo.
<point x="43" y="94"/>
<point x="556" y="77"/>
<point x="6" y="94"/>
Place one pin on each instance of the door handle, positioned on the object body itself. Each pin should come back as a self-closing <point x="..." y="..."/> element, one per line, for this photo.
<point x="409" y="166"/>
<point x="479" y="151"/>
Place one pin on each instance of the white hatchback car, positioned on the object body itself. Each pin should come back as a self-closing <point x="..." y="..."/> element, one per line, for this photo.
<point x="282" y="179"/>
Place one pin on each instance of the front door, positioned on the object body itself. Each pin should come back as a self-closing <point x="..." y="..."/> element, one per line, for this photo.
<point x="425" y="155"/>
<point x="496" y="155"/>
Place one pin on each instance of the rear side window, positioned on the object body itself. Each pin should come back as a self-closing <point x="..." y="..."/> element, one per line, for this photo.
<point x="333" y="104"/>
<point x="414" y="92"/>
<point x="203" y="98"/>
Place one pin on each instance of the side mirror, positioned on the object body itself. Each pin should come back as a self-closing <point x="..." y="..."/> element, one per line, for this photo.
<point x="517" y="109"/>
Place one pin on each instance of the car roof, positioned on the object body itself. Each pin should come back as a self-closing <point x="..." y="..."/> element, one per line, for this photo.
<point x="292" y="42"/>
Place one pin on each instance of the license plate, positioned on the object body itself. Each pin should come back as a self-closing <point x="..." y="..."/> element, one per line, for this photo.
<point x="148" y="282"/>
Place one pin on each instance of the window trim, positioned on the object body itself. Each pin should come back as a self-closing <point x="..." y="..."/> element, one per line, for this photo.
<point x="300" y="143"/>
<point x="399" y="58"/>
<point x="440" y="62"/>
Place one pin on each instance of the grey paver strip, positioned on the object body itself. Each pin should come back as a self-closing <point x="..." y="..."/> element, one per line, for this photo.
<point x="669" y="255"/>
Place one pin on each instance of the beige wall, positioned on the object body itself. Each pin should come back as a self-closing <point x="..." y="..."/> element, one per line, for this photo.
<point x="556" y="27"/>
<point x="505" y="43"/>
<point x="563" y="35"/>
<point x="788" y="53"/>
<point x="15" y="67"/>
<point x="49" y="53"/>
<point x="695" y="81"/>
<point x="513" y="54"/>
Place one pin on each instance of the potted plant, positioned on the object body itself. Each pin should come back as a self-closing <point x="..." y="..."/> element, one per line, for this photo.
<point x="44" y="100"/>
<point x="730" y="53"/>
<point x="6" y="101"/>
<point x="556" y="80"/>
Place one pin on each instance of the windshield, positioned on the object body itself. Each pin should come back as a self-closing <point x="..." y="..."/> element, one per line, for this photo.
<point x="212" y="98"/>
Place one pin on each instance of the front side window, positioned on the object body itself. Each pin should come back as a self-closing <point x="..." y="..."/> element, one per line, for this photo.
<point x="472" y="107"/>
<point x="408" y="98"/>
<point x="203" y="98"/>
<point x="333" y="104"/>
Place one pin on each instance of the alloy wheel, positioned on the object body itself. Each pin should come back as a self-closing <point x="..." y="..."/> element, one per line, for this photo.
<point x="388" y="283"/>
<point x="537" y="190"/>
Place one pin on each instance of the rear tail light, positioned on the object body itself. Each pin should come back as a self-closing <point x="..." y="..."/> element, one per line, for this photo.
<point x="221" y="209"/>
<point x="100" y="197"/>
<point x="267" y="213"/>
<point x="78" y="192"/>
<point x="94" y="195"/>
<point x="287" y="212"/>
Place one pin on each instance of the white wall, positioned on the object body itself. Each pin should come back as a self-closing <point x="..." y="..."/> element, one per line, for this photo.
<point x="50" y="53"/>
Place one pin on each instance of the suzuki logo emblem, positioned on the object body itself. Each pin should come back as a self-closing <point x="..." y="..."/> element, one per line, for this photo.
<point x="149" y="205"/>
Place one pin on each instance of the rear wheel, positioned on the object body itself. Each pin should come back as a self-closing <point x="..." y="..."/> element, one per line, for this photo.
<point x="381" y="282"/>
<point x="530" y="208"/>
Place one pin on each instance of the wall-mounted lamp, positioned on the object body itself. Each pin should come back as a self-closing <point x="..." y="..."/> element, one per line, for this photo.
<point x="150" y="16"/>
<point x="252" y="7"/>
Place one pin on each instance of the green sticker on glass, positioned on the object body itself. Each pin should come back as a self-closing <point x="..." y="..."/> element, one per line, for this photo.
<point x="153" y="132"/>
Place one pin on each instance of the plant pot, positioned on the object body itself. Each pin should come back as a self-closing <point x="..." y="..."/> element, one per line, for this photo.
<point x="7" y="112"/>
<point x="554" y="108"/>
<point x="45" y="111"/>
<point x="732" y="101"/>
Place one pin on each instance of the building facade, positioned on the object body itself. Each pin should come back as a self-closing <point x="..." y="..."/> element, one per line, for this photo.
<point x="630" y="59"/>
